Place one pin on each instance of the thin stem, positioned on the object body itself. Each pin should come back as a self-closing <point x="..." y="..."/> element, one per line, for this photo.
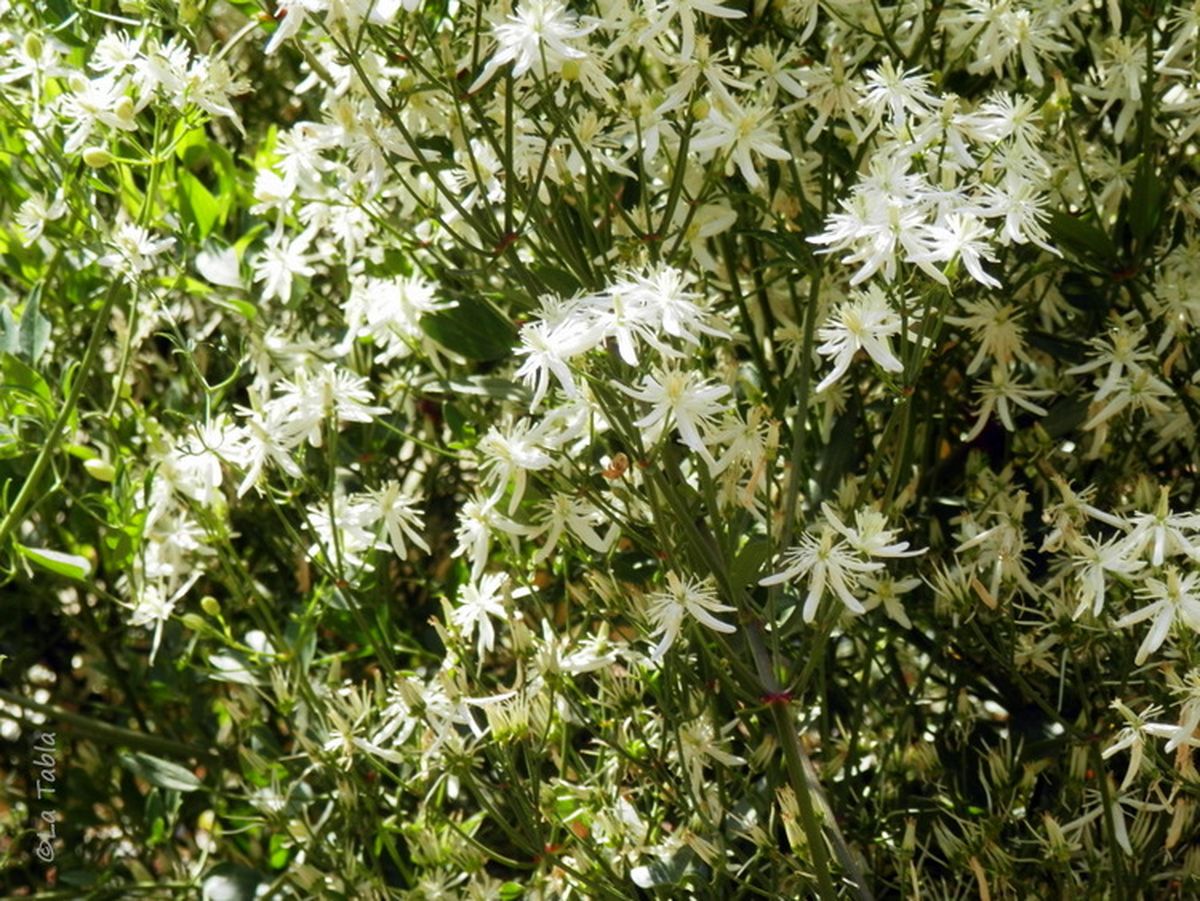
<point x="103" y="732"/>
<point x="13" y="517"/>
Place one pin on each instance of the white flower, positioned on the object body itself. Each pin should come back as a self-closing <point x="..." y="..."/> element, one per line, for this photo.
<point x="700" y="743"/>
<point x="133" y="249"/>
<point x="388" y="311"/>
<point x="1022" y="206"/>
<point x="546" y="349"/>
<point x="400" y="518"/>
<point x="539" y="31"/>
<point x="1094" y="561"/>
<point x="663" y="293"/>
<point x="839" y="563"/>
<point x="35" y="212"/>
<point x="508" y="455"/>
<point x="155" y="603"/>
<point x="869" y="537"/>
<point x="1131" y="738"/>
<point x="997" y="332"/>
<point x="477" y="520"/>
<point x="962" y="235"/>
<point x="741" y="132"/>
<point x="826" y="561"/>
<point x="1176" y="598"/>
<point x="1183" y="733"/>
<point x="996" y="395"/>
<point x="902" y="93"/>
<point x="1166" y="534"/>
<point x="866" y="322"/>
<point x="264" y="437"/>
<point x="280" y="261"/>
<point x="691" y="402"/>
<point x="667" y="10"/>
<point x="296" y="11"/>
<point x="477" y="604"/>
<point x="310" y="398"/>
<point x="690" y="597"/>
<point x="345" y="533"/>
<point x="888" y="211"/>
<point x="101" y="101"/>
<point x="566" y="512"/>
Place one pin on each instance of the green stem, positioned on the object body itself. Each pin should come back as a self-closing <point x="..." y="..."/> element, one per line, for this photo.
<point x="103" y="732"/>
<point x="803" y="779"/>
<point x="13" y="517"/>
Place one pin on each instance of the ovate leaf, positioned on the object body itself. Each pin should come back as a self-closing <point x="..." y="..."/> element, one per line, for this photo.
<point x="70" y="565"/>
<point x="34" y="330"/>
<point x="159" y="772"/>
<point x="472" y="329"/>
<point x="230" y="882"/>
<point x="197" y="203"/>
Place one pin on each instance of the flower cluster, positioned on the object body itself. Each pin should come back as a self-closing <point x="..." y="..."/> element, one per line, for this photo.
<point x="562" y="448"/>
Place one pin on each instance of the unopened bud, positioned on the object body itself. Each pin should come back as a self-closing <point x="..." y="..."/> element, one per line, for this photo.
<point x="193" y="623"/>
<point x="97" y="157"/>
<point x="570" y="70"/>
<point x="124" y="110"/>
<point x="700" y="109"/>
<point x="210" y="605"/>
<point x="99" y="469"/>
<point x="32" y="45"/>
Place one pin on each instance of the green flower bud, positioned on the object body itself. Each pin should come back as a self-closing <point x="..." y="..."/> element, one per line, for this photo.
<point x="96" y="157"/>
<point x="100" y="470"/>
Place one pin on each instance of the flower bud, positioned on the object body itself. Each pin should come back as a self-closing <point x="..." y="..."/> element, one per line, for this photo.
<point x="32" y="45"/>
<point x="124" y="110"/>
<point x="207" y="821"/>
<point x="96" y="157"/>
<point x="193" y="623"/>
<point x="101" y="470"/>
<point x="211" y="606"/>
<point x="570" y="70"/>
<point x="700" y="109"/>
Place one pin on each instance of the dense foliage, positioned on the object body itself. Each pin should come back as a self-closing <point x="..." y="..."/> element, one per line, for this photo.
<point x="633" y="448"/>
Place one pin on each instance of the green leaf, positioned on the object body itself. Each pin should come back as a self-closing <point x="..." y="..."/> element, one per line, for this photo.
<point x="667" y="871"/>
<point x="1083" y="238"/>
<point x="191" y="144"/>
<point x="242" y="308"/>
<point x="557" y="280"/>
<point x="280" y="853"/>
<point x="748" y="563"/>
<point x="9" y="340"/>
<point x="197" y="203"/>
<point x="1145" y="201"/>
<point x="484" y="386"/>
<point x="159" y="772"/>
<point x="841" y="454"/>
<point x="16" y="375"/>
<point x="472" y="329"/>
<point x="10" y="444"/>
<point x="34" y="329"/>
<point x="1065" y="416"/>
<point x="230" y="882"/>
<point x="70" y="565"/>
<point x="232" y="667"/>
